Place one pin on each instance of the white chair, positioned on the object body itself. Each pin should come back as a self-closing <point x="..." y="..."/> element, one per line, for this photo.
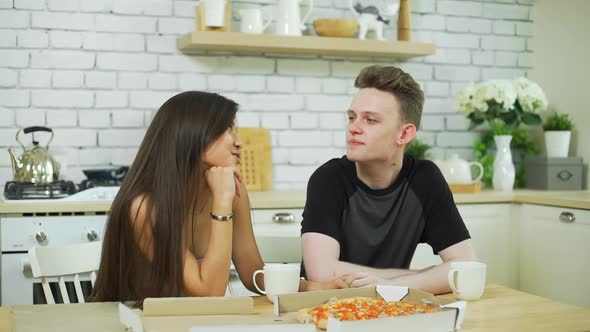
<point x="65" y="261"/>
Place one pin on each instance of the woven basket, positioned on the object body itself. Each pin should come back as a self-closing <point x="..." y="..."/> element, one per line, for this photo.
<point x="256" y="163"/>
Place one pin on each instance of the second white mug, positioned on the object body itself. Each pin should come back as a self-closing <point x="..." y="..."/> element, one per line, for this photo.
<point x="467" y="280"/>
<point x="278" y="279"/>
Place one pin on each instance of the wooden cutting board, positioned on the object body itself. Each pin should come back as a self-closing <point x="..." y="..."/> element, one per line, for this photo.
<point x="256" y="163"/>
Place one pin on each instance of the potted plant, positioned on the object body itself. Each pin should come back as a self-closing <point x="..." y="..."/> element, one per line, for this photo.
<point x="558" y="131"/>
<point x="505" y="105"/>
<point x="418" y="149"/>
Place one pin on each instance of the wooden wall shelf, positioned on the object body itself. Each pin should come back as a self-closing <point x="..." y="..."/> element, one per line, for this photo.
<point x="307" y="45"/>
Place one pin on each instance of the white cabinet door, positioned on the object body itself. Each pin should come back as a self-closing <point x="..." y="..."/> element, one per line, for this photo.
<point x="555" y="253"/>
<point x="493" y="237"/>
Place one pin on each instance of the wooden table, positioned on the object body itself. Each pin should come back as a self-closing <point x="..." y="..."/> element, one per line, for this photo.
<point x="500" y="309"/>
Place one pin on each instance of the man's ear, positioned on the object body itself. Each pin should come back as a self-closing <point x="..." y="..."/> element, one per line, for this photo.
<point x="407" y="134"/>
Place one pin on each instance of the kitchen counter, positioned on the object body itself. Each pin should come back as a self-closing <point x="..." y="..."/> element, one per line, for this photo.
<point x="283" y="199"/>
<point x="500" y="309"/>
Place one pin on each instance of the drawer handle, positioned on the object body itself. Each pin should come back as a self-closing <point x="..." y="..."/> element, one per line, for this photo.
<point x="564" y="175"/>
<point x="567" y="217"/>
<point x="283" y="217"/>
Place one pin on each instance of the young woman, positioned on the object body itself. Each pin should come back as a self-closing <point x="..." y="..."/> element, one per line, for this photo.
<point x="182" y="215"/>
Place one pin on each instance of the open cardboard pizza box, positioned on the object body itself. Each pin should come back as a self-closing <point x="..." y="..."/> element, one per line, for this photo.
<point x="233" y="313"/>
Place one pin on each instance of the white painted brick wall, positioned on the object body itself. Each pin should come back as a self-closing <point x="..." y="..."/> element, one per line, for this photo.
<point x="96" y="70"/>
<point x="65" y="21"/>
<point x="110" y="23"/>
<point x="6" y="118"/>
<point x="14" y="19"/>
<point x="279" y="84"/>
<point x="126" y="62"/>
<point x="67" y="79"/>
<point x="132" y="80"/>
<point x="457" y="73"/>
<point x="7" y="38"/>
<point x="251" y="83"/>
<point x="337" y="86"/>
<point x="101" y="80"/>
<point x="305" y="138"/>
<point x="30" y="117"/>
<point x="162" y="81"/>
<point x="8" y="78"/>
<point x="304" y="120"/>
<point x="95" y="156"/>
<point x="505" y="11"/>
<point x="221" y="82"/>
<point x="456" y="139"/>
<point x="127" y="119"/>
<point x="432" y="122"/>
<point x="275" y="120"/>
<point x="243" y="65"/>
<point x="298" y="156"/>
<point x="148" y="99"/>
<point x="95" y="119"/>
<point x="66" y="39"/>
<point x="276" y="102"/>
<point x="29" y="4"/>
<point x="59" y="118"/>
<point x="62" y="60"/>
<point x="308" y="85"/>
<point x="248" y="119"/>
<point x="75" y="137"/>
<point x="303" y="67"/>
<point x="62" y="98"/>
<point x="464" y="24"/>
<point x="328" y="103"/>
<point x="120" y="137"/>
<point x="32" y="39"/>
<point x="14" y="59"/>
<point x="161" y="44"/>
<point x="14" y="98"/>
<point x="460" y="8"/>
<point x="333" y="121"/>
<point x="108" y="99"/>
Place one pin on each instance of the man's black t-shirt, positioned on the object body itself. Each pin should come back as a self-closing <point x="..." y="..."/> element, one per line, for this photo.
<point x="382" y="228"/>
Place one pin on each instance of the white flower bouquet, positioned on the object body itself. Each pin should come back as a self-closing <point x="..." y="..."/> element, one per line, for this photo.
<point x="514" y="102"/>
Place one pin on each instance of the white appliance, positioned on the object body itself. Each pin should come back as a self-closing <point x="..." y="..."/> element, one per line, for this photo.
<point x="20" y="232"/>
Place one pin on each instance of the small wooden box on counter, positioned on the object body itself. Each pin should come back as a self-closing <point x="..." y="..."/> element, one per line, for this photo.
<point x="553" y="173"/>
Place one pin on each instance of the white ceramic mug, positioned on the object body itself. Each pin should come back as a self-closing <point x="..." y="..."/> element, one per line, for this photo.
<point x="467" y="279"/>
<point x="251" y="21"/>
<point x="214" y="13"/>
<point x="278" y="279"/>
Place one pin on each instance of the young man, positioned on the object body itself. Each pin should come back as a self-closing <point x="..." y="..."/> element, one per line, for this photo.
<point x="367" y="211"/>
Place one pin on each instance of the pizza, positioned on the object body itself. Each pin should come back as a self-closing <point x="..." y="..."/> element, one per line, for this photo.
<point x="359" y="308"/>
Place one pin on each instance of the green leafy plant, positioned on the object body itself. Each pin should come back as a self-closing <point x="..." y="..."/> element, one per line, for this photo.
<point x="418" y="149"/>
<point x="558" y="122"/>
<point x="521" y="144"/>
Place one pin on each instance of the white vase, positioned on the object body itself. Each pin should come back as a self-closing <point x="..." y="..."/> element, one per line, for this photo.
<point x="557" y="143"/>
<point x="504" y="173"/>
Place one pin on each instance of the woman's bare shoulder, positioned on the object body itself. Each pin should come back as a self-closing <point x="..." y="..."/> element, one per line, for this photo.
<point x="139" y="210"/>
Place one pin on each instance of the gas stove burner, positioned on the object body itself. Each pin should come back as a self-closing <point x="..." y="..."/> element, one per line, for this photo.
<point x="86" y="184"/>
<point x="27" y="190"/>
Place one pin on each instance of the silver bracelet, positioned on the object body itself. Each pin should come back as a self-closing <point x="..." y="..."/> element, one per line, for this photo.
<point x="229" y="217"/>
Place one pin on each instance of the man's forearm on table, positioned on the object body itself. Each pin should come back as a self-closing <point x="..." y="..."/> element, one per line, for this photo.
<point x="433" y="279"/>
<point x="346" y="268"/>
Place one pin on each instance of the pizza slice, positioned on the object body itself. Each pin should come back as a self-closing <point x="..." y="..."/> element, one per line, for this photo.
<point x="356" y="308"/>
<point x="404" y="308"/>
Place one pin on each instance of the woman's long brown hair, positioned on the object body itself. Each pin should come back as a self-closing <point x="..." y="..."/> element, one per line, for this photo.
<point x="167" y="172"/>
